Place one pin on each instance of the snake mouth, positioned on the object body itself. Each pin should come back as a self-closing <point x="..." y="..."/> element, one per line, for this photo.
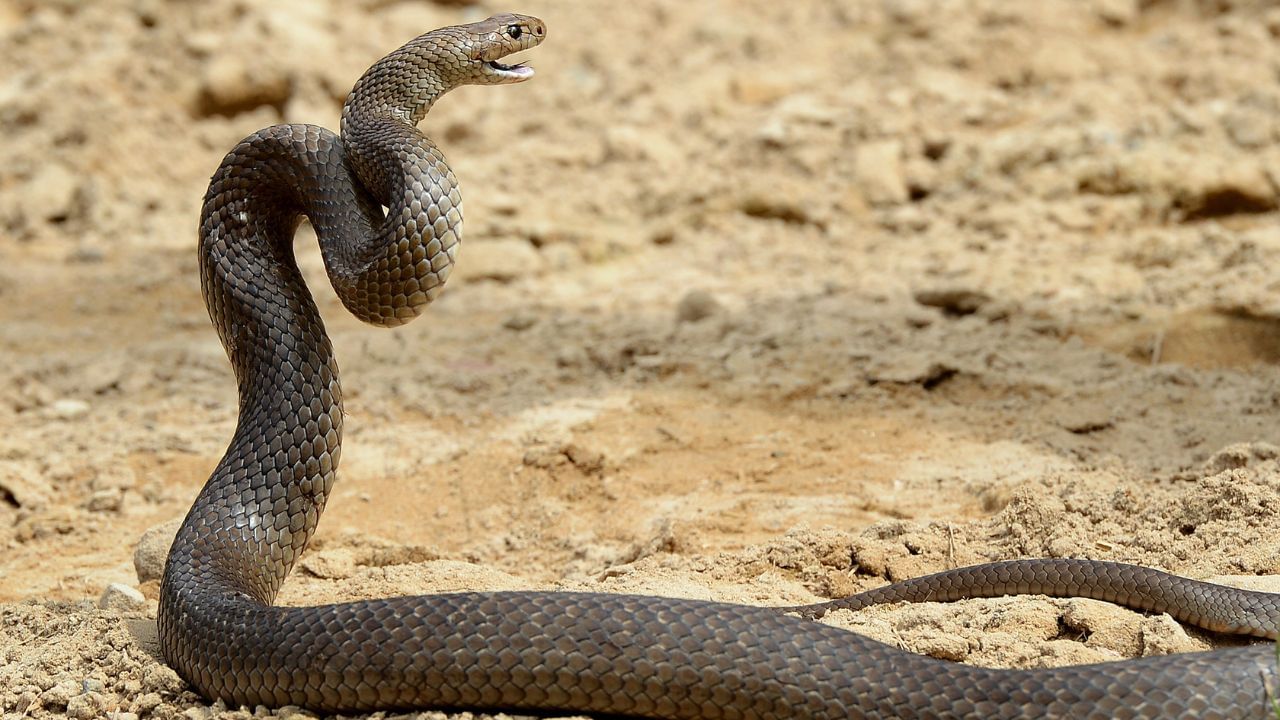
<point x="518" y="72"/>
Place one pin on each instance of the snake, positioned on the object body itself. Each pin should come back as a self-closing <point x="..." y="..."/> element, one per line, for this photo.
<point x="387" y="211"/>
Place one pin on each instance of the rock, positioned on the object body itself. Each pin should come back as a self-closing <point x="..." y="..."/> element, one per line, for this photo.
<point x="697" y="305"/>
<point x="51" y="195"/>
<point x="60" y="694"/>
<point x="121" y="597"/>
<point x="753" y="88"/>
<point x="1216" y="190"/>
<point x="235" y="82"/>
<point x="585" y="459"/>
<point x="1118" y="13"/>
<point x="162" y="678"/>
<point x="911" y="369"/>
<point x="69" y="409"/>
<point x="153" y="549"/>
<point x="953" y="301"/>
<point x="790" y="202"/>
<point x="1081" y="417"/>
<point x="520" y="320"/>
<point x="879" y="172"/>
<point x="334" y="564"/>
<point x="22" y="485"/>
<point x="1249" y="127"/>
<point x="942" y="646"/>
<point x="106" y="500"/>
<point x="1239" y="455"/>
<point x="500" y="260"/>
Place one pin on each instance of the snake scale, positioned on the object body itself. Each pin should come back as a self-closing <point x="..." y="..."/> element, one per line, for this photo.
<point x="386" y="208"/>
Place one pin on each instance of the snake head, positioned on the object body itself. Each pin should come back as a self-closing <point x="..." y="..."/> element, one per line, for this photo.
<point x="497" y="37"/>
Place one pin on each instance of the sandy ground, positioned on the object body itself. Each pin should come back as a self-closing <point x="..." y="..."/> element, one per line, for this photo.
<point x="762" y="302"/>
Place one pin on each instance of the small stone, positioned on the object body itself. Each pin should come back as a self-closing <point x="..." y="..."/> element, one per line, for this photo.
<point x="162" y="678"/>
<point x="106" y="500"/>
<point x="1082" y="417"/>
<point x="60" y="694"/>
<point x="499" y="260"/>
<point x="235" y="82"/>
<point x="21" y="485"/>
<point x="147" y="702"/>
<point x="334" y="564"/>
<point x="880" y="174"/>
<point x="51" y="195"/>
<point x="1118" y="13"/>
<point x="1239" y="455"/>
<point x="122" y="598"/>
<point x="587" y="460"/>
<point x="520" y="321"/>
<point x="780" y="203"/>
<point x="153" y="550"/>
<point x="752" y="88"/>
<point x="944" y="647"/>
<point x="69" y="409"/>
<point x="293" y="712"/>
<point x="86" y="706"/>
<point x="956" y="302"/>
<point x="1249" y="127"/>
<point x="1214" y="191"/>
<point x="697" y="305"/>
<point x="914" y="369"/>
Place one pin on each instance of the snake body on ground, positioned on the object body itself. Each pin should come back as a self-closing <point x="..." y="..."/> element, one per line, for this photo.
<point x="546" y="651"/>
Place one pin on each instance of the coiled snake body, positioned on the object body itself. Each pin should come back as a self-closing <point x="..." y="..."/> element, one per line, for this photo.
<point x="582" y="652"/>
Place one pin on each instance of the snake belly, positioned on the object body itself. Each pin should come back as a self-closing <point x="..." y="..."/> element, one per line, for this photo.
<point x="546" y="651"/>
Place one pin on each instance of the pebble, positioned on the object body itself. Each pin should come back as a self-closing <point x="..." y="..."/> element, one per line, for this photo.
<point x="86" y="706"/>
<point x="69" y="409"/>
<point x="236" y="82"/>
<point x="520" y="320"/>
<point x="21" y="484"/>
<point x="121" y="597"/>
<point x="1117" y="12"/>
<point x="879" y="172"/>
<point x="953" y="301"/>
<point x="1249" y="127"/>
<point x="1081" y="416"/>
<point x="153" y="549"/>
<point x="50" y="195"/>
<point x="697" y="305"/>
<point x="106" y="500"/>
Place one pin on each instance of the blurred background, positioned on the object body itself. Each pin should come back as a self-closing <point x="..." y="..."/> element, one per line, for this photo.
<point x="877" y="286"/>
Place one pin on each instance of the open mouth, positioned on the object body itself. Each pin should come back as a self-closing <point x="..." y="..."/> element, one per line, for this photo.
<point x="515" y="71"/>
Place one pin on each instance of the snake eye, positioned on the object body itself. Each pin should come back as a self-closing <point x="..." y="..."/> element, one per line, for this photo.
<point x="515" y="31"/>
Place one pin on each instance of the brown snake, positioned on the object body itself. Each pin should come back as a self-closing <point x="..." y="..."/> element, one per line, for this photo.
<point x="577" y="652"/>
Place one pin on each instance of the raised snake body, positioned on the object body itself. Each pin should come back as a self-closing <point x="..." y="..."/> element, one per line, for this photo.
<point x="580" y="652"/>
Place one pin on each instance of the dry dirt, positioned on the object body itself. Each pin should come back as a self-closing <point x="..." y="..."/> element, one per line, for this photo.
<point x="764" y="302"/>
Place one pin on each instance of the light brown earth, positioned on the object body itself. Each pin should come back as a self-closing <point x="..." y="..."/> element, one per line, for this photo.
<point x="763" y="302"/>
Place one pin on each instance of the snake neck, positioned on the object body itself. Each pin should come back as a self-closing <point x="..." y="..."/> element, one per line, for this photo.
<point x="272" y="483"/>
